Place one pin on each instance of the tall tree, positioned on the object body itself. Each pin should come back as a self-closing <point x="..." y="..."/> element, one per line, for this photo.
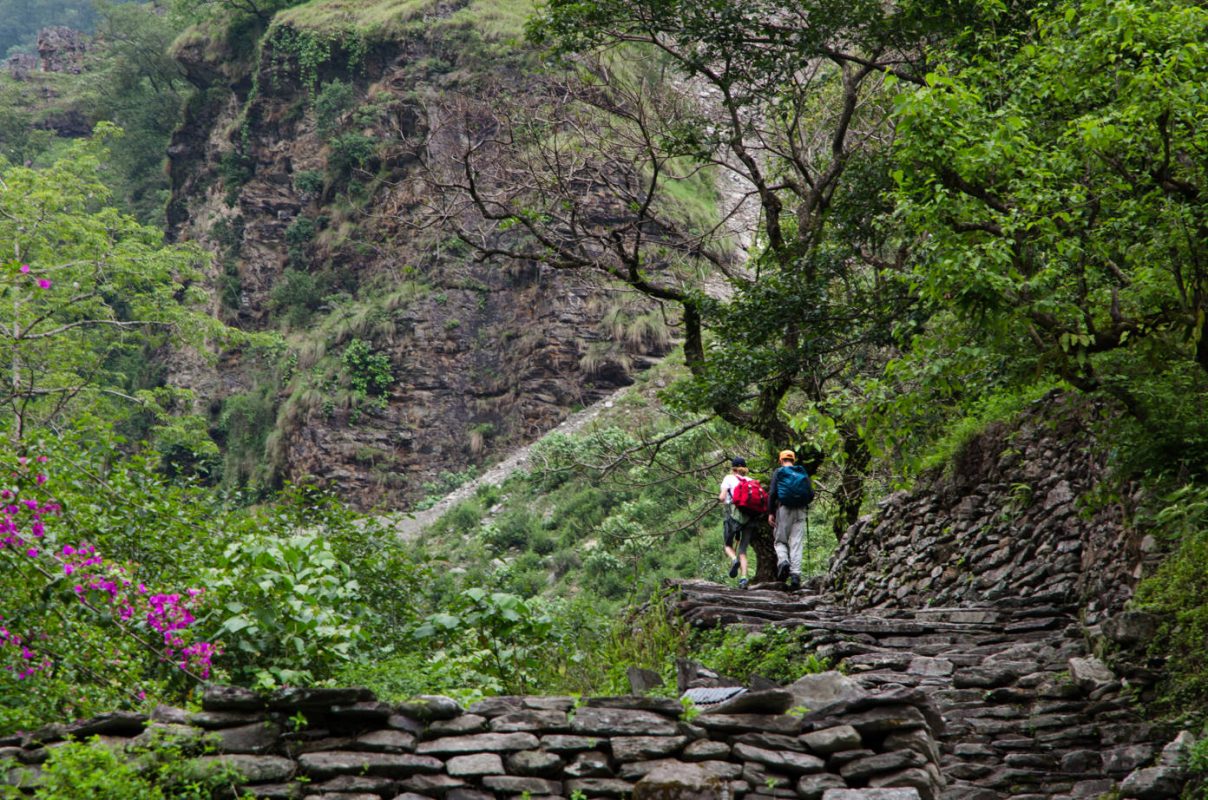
<point x="82" y="288"/>
<point x="780" y="104"/>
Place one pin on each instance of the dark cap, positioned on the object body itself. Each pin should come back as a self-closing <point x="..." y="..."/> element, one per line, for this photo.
<point x="738" y="461"/>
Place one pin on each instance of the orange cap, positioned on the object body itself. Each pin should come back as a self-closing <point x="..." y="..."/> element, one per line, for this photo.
<point x="789" y="454"/>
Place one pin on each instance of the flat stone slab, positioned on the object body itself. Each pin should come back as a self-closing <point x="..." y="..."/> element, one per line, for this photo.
<point x="781" y="760"/>
<point x="514" y="784"/>
<point x="622" y="722"/>
<point x="480" y="743"/>
<point x="898" y="793"/>
<point x="600" y="787"/>
<point x="639" y="748"/>
<point x="346" y="762"/>
<point x="476" y="764"/>
<point x="833" y="740"/>
<point x="253" y="769"/>
<point x="386" y="741"/>
<point x="741" y="723"/>
<point x="115" y="723"/>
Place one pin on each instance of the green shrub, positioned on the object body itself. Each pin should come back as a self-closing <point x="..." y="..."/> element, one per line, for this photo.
<point x="368" y="372"/>
<point x="300" y="232"/>
<point x="297" y="295"/>
<point x="775" y="653"/>
<point x="289" y="609"/>
<point x="308" y="181"/>
<point x="1178" y="591"/>
<point x="348" y="151"/>
<point x="235" y="169"/>
<point x="331" y="102"/>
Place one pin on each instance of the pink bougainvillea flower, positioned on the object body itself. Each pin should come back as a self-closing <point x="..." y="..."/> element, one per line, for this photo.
<point x="25" y="269"/>
<point x="32" y="552"/>
<point x="40" y="479"/>
<point x="44" y="283"/>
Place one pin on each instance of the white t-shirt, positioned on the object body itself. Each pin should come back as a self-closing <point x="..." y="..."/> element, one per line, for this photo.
<point x="728" y="484"/>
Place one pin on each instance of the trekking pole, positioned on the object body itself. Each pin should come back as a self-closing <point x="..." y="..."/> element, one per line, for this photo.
<point x="807" y="540"/>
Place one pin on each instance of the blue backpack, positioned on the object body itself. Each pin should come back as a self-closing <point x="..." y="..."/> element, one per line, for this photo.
<point x="793" y="488"/>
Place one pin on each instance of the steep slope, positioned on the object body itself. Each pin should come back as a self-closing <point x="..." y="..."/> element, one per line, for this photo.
<point x="303" y="173"/>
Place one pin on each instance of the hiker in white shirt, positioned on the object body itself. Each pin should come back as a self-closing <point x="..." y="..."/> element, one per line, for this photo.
<point x="736" y="528"/>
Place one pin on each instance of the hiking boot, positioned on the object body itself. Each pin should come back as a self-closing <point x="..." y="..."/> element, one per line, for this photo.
<point x="782" y="570"/>
<point x="742" y="583"/>
<point x="794" y="583"/>
<point x="734" y="569"/>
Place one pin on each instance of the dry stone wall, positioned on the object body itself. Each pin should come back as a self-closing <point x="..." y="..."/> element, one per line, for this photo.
<point x="1021" y="517"/>
<point x="354" y="747"/>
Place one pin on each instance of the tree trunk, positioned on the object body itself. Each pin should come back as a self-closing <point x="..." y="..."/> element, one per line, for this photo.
<point x="765" y="553"/>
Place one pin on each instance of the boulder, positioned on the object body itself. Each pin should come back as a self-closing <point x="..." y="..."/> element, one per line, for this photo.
<point x="1153" y="783"/>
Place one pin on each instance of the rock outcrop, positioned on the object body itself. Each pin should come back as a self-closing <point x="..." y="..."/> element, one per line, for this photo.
<point x="483" y="357"/>
<point x="61" y="49"/>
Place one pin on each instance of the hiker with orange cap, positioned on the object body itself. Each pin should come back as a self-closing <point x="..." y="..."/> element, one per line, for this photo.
<point x="789" y="497"/>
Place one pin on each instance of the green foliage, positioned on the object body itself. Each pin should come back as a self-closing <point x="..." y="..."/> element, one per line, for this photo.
<point x="498" y="635"/>
<point x="235" y="169"/>
<point x="348" y="151"/>
<point x="331" y="102"/>
<point x="1178" y="591"/>
<point x="309" y="181"/>
<point x="368" y="372"/>
<point x="289" y="609"/>
<point x="161" y="770"/>
<point x="775" y="653"/>
<point x="297" y="295"/>
<point x="1052" y="215"/>
<point x="86" y="286"/>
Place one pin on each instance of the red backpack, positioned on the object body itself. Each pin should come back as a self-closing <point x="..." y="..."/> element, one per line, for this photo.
<point x="749" y="496"/>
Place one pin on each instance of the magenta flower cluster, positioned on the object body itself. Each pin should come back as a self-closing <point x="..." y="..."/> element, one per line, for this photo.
<point x="96" y="582"/>
<point x="43" y="283"/>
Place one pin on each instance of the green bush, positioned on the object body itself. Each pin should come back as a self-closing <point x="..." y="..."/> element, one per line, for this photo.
<point x="289" y="610"/>
<point x="331" y="102"/>
<point x="1178" y="591"/>
<point x="308" y="181"/>
<point x="775" y="653"/>
<point x="348" y="151"/>
<point x="300" y="232"/>
<point x="297" y="295"/>
<point x="235" y="169"/>
<point x="368" y="372"/>
<point x="162" y="770"/>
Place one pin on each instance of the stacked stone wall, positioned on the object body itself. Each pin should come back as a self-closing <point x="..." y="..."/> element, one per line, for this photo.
<point x="1025" y="514"/>
<point x="343" y="744"/>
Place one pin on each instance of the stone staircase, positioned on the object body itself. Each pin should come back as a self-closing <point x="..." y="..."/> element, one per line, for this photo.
<point x="1028" y="714"/>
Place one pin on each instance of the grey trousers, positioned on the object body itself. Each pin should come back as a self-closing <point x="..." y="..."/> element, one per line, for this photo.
<point x="790" y="536"/>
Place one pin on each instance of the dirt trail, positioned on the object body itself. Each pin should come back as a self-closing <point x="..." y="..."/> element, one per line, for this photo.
<point x="411" y="524"/>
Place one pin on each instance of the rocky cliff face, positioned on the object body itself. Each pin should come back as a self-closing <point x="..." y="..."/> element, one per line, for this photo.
<point x="305" y="183"/>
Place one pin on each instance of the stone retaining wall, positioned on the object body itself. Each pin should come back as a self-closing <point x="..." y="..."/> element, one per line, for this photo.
<point x="1021" y="516"/>
<point x="343" y="744"/>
